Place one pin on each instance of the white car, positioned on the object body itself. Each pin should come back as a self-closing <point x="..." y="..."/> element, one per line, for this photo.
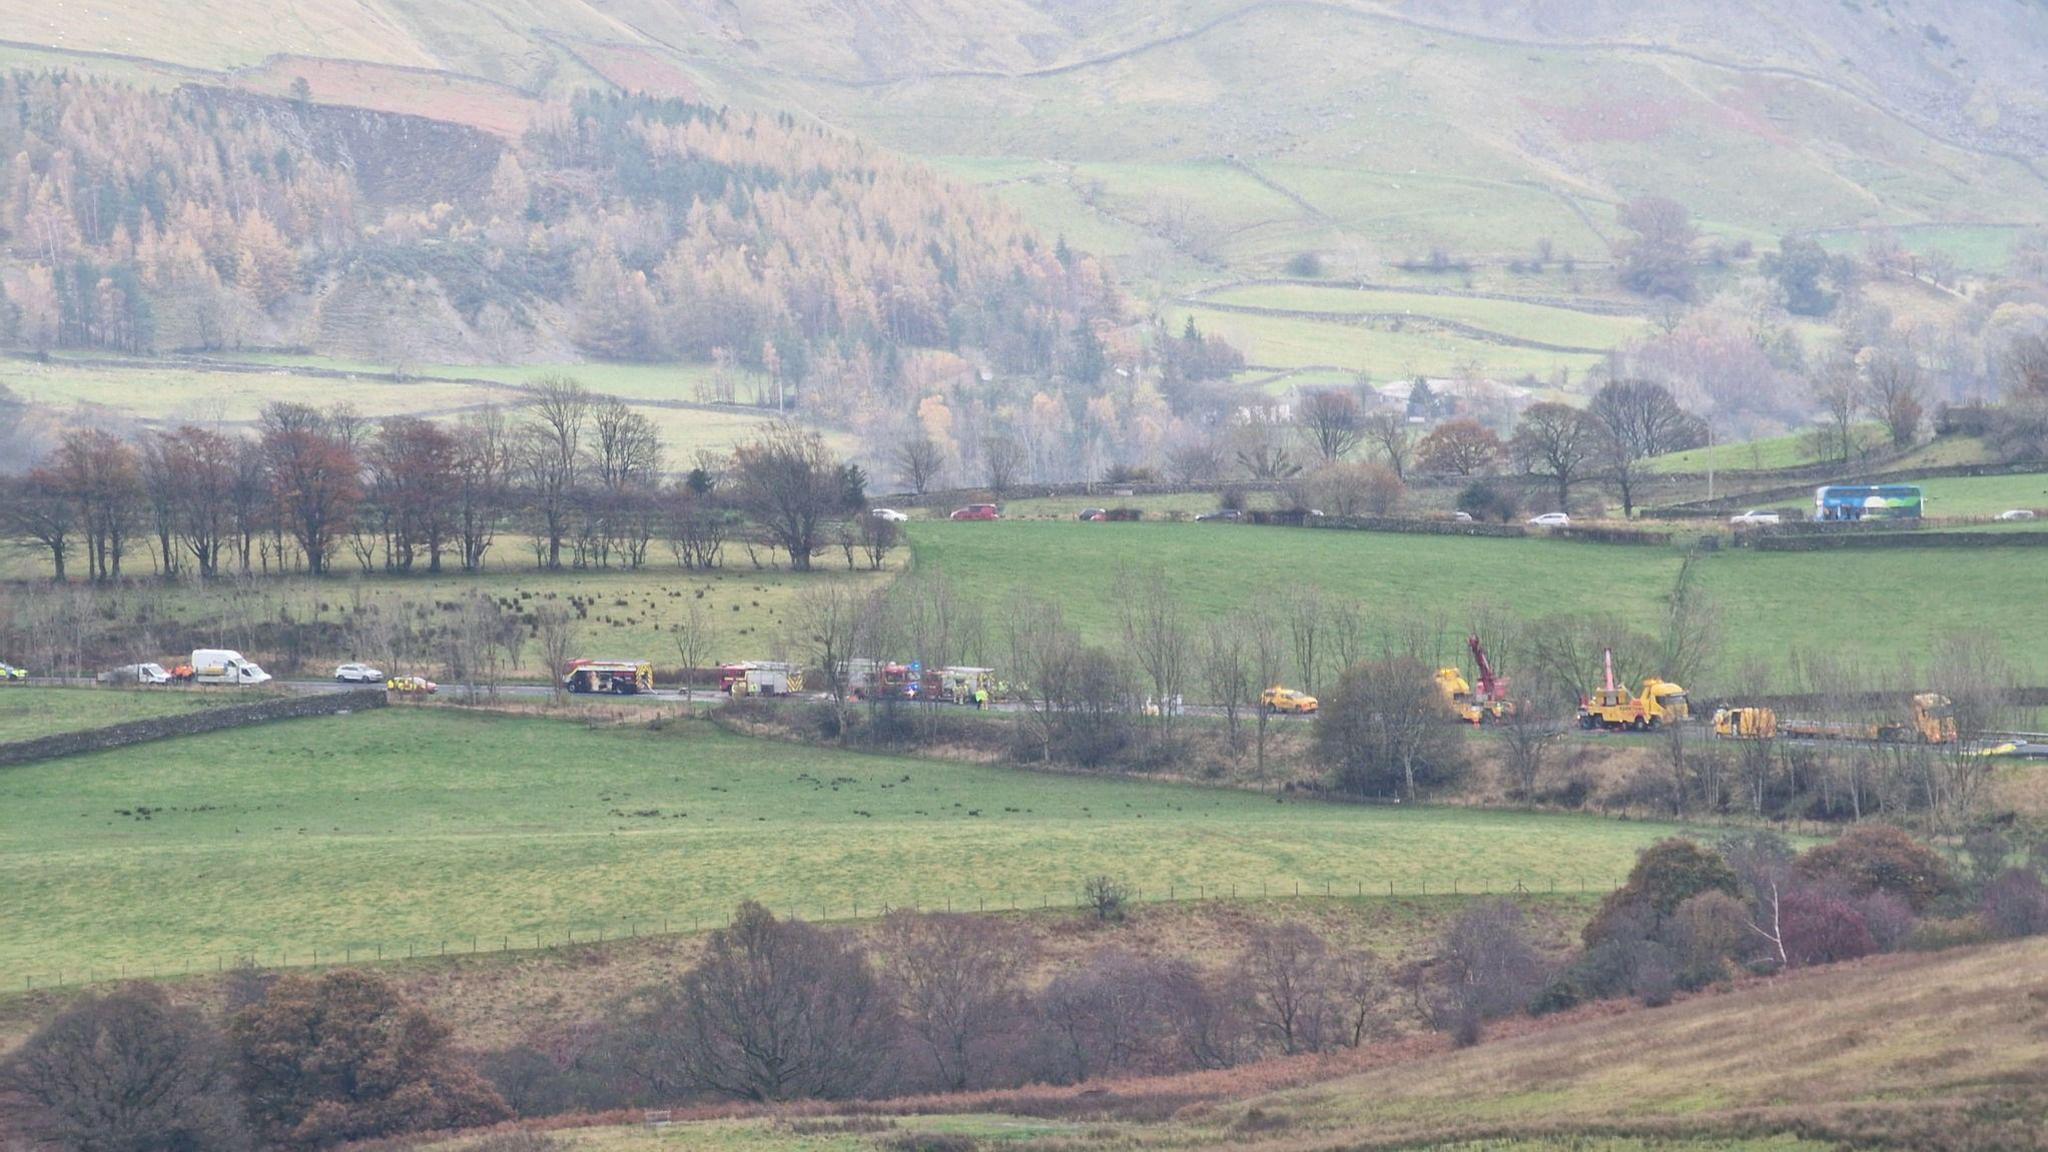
<point x="1551" y="520"/>
<point x="2017" y="514"/>
<point x="136" y="674"/>
<point x="1755" y="517"/>
<point x="358" y="674"/>
<point x="889" y="514"/>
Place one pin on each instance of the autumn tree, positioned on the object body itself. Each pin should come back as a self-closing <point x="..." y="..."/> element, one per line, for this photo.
<point x="344" y="1056"/>
<point x="1893" y="387"/>
<point x="1460" y="448"/>
<point x="1556" y="441"/>
<point x="37" y="510"/>
<point x="127" y="1071"/>
<point x="412" y="466"/>
<point x="101" y="474"/>
<point x="314" y="476"/>
<point x="788" y="481"/>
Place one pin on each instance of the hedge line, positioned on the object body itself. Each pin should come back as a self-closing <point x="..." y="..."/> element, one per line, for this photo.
<point x="1416" y="527"/>
<point x="1778" y="543"/>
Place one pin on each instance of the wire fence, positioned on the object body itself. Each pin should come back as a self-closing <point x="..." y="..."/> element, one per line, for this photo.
<point x="838" y="910"/>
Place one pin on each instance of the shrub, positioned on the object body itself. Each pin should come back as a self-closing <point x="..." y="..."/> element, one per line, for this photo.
<point x="1881" y="858"/>
<point x="1489" y="969"/>
<point x="1705" y="933"/>
<point x="1820" y="927"/>
<point x="1666" y="874"/>
<point x="1889" y="918"/>
<point x="124" y="1072"/>
<point x="1305" y="266"/>
<point x="1483" y="501"/>
<point x="2016" y="904"/>
<point x="1124" y="514"/>
<point x="1106" y="895"/>
<point x="929" y="1142"/>
<point x="1385" y="731"/>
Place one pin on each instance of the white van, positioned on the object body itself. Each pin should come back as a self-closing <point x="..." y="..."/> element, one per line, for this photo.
<point x="136" y="674"/>
<point x="225" y="666"/>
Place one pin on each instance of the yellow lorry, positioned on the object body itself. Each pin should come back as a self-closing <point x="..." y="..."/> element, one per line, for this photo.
<point x="1489" y="702"/>
<point x="1932" y="721"/>
<point x="1610" y="706"/>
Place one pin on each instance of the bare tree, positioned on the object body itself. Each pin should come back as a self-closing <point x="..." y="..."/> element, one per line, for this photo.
<point x="1838" y="388"/>
<point x="878" y="538"/>
<point x="1269" y="663"/>
<point x="775" y="1010"/>
<point x="1156" y="634"/>
<point x="790" y="484"/>
<point x="1635" y="420"/>
<point x="1305" y="612"/>
<point x="551" y="457"/>
<point x="1528" y="732"/>
<point x="958" y="982"/>
<point x="557" y="632"/>
<point x="1388" y="432"/>
<point x="1331" y="422"/>
<point x="1893" y="387"/>
<point x="1556" y="441"/>
<point x="1228" y="673"/>
<point x="824" y="626"/>
<point x="692" y="635"/>
<point x="1002" y="457"/>
<point x="1284" y="977"/>
<point x="918" y="460"/>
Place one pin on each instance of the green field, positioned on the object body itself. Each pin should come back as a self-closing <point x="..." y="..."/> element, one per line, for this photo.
<point x="170" y="392"/>
<point x="623" y="613"/>
<point x="1284" y="341"/>
<point x="27" y="713"/>
<point x="1771" y="603"/>
<point x="408" y="827"/>
<point x="1985" y="495"/>
<point x="1511" y="318"/>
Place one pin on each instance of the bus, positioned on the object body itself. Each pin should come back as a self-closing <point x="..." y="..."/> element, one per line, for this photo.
<point x="1837" y="502"/>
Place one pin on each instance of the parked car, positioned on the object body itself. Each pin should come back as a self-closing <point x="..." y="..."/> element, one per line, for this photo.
<point x="2017" y="514"/>
<point x="1462" y="517"/>
<point x="889" y="514"/>
<point x="1278" y="699"/>
<point x="411" y="685"/>
<point x="977" y="512"/>
<point x="1220" y="514"/>
<point x="135" y="674"/>
<point x="9" y="674"/>
<point x="1551" y="520"/>
<point x="358" y="674"/>
<point x="1755" y="516"/>
<point x="1092" y="514"/>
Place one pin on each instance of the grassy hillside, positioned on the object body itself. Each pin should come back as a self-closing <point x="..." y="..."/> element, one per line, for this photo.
<point x="1157" y="135"/>
<point x="406" y="828"/>
<point x="1770" y="603"/>
<point x="1941" y="1050"/>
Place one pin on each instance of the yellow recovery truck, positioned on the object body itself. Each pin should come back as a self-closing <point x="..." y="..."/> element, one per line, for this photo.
<point x="1611" y="706"/>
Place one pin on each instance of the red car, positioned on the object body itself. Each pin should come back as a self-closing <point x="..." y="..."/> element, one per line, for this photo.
<point x="977" y="512"/>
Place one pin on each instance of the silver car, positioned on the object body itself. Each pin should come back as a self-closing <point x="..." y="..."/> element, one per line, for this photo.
<point x="359" y="674"/>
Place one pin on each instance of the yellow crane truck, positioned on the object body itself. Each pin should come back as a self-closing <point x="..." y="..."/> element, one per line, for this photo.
<point x="1610" y="706"/>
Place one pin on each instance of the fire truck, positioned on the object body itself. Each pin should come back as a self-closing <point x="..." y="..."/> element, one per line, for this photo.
<point x="618" y="677"/>
<point x="760" y="678"/>
<point x="880" y="679"/>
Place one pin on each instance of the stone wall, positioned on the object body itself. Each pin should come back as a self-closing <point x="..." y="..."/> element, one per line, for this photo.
<point x="188" y="724"/>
